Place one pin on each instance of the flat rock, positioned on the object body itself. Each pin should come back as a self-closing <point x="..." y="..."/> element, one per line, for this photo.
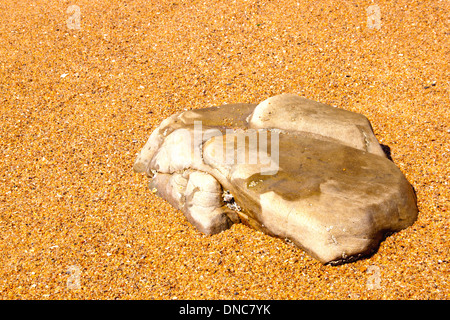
<point x="290" y="167"/>
<point x="296" y="114"/>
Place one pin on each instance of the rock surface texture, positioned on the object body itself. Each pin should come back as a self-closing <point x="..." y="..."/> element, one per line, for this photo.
<point x="290" y="167"/>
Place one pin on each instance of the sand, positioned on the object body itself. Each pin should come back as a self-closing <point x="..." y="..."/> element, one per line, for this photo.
<point x="77" y="104"/>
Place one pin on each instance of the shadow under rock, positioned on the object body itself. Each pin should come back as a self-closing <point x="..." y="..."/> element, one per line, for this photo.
<point x="387" y="151"/>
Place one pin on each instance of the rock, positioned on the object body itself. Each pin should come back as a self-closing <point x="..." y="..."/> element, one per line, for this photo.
<point x="332" y="200"/>
<point x="295" y="114"/>
<point x="290" y="167"/>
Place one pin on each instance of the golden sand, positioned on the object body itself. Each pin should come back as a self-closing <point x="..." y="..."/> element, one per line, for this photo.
<point x="77" y="104"/>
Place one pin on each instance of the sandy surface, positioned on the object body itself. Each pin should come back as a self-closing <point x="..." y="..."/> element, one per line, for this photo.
<point x="76" y="105"/>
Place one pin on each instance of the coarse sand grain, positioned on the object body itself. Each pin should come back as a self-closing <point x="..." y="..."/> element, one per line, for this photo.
<point x="82" y="87"/>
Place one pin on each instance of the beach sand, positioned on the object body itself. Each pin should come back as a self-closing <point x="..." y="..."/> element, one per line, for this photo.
<point x="82" y="89"/>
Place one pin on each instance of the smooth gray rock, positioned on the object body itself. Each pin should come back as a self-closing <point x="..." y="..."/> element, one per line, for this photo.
<point x="292" y="113"/>
<point x="290" y="167"/>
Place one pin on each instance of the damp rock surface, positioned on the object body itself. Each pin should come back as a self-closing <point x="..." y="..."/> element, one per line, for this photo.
<point x="291" y="167"/>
